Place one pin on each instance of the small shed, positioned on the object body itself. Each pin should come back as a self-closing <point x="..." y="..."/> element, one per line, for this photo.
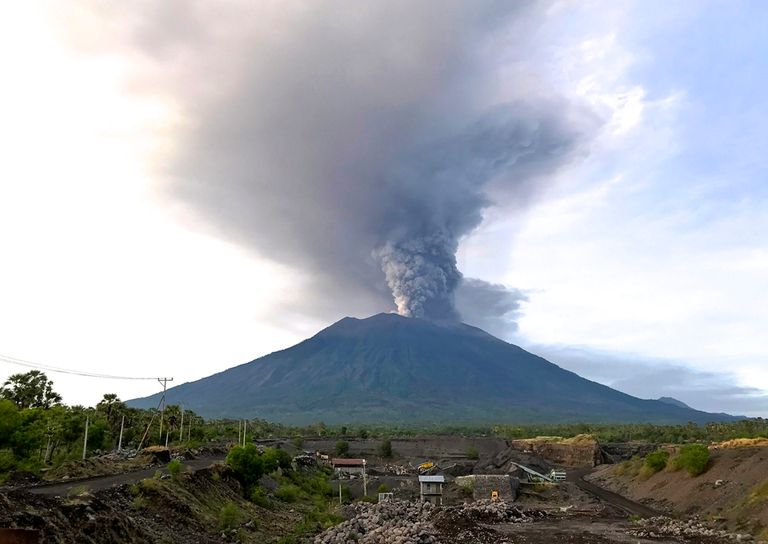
<point x="431" y="489"/>
<point x="349" y="466"/>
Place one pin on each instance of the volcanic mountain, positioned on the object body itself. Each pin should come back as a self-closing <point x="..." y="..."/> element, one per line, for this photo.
<point x="393" y="369"/>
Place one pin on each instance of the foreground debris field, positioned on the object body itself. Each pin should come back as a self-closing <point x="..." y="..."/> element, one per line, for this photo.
<point x="499" y="522"/>
<point x="208" y="505"/>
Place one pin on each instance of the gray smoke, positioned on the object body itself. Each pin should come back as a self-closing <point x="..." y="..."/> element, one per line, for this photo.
<point x="443" y="187"/>
<point x="358" y="142"/>
<point x="493" y="307"/>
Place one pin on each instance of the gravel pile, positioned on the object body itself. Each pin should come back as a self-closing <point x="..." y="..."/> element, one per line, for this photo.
<point x="662" y="526"/>
<point x="401" y="522"/>
<point x="391" y="522"/>
<point x="488" y="511"/>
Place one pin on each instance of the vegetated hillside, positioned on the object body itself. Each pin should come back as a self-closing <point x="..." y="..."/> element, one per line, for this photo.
<point x="733" y="489"/>
<point x="389" y="368"/>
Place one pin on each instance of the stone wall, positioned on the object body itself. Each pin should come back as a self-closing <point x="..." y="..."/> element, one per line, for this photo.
<point x="483" y="485"/>
<point x="585" y="453"/>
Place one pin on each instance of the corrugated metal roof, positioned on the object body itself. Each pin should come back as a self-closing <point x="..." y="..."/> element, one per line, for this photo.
<point x="432" y="479"/>
<point x="348" y="462"/>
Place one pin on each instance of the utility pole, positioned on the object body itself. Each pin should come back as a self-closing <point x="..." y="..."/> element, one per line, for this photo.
<point x="164" y="382"/>
<point x="181" y="427"/>
<point x="120" y="442"/>
<point x="245" y="425"/>
<point x="365" y="481"/>
<point x="239" y="435"/>
<point x="189" y="429"/>
<point x="85" y="440"/>
<point x="339" y="493"/>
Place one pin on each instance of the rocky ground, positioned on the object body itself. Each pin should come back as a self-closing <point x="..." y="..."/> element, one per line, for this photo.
<point x="489" y="522"/>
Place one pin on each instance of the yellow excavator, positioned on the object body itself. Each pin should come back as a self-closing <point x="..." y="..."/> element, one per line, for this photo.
<point x="425" y="467"/>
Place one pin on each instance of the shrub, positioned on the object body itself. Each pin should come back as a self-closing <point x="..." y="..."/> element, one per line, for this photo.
<point x="385" y="448"/>
<point x="298" y="442"/>
<point x="342" y="448"/>
<point x="139" y="503"/>
<point x="275" y="458"/>
<point x="229" y="516"/>
<point x="383" y="489"/>
<point x="656" y="461"/>
<point x="472" y="453"/>
<point x="150" y="485"/>
<point x="174" y="468"/>
<point x="247" y="464"/>
<point x="629" y="468"/>
<point x="259" y="497"/>
<point x="288" y="493"/>
<point x="694" y="458"/>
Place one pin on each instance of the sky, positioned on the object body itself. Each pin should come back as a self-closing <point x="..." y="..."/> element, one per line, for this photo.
<point x="185" y="187"/>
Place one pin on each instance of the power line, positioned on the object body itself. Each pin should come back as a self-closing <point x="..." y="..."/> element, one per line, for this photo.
<point x="49" y="368"/>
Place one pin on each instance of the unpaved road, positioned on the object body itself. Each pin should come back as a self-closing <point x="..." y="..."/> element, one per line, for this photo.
<point x="619" y="501"/>
<point x="97" y="483"/>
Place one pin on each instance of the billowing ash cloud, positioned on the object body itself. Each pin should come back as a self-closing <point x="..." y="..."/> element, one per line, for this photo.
<point x="358" y="141"/>
<point x="490" y="306"/>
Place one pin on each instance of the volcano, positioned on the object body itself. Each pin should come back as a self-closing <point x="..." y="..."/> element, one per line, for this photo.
<point x="393" y="369"/>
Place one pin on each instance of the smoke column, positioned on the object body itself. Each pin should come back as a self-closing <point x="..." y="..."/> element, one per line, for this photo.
<point x="356" y="142"/>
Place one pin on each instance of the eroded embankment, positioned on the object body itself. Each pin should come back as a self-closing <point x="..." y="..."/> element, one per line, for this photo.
<point x="202" y="507"/>
<point x="733" y="490"/>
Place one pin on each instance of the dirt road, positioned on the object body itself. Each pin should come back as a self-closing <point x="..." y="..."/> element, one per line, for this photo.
<point x="629" y="506"/>
<point x="98" y="483"/>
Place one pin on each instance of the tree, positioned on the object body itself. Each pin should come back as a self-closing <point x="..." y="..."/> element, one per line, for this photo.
<point x="32" y="389"/>
<point x="342" y="448"/>
<point x="247" y="464"/>
<point x="385" y="448"/>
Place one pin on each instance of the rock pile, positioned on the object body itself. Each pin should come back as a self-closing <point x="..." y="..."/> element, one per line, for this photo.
<point x="392" y="522"/>
<point x="661" y="526"/>
<point x="401" y="522"/>
<point x="488" y="511"/>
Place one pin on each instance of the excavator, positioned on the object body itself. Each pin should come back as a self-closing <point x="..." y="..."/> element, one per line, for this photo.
<point x="425" y="467"/>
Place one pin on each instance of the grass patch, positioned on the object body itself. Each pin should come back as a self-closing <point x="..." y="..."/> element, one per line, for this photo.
<point x="79" y="491"/>
<point x="174" y="468"/>
<point x="630" y="468"/>
<point x="758" y="494"/>
<point x="139" y="503"/>
<point x="288" y="493"/>
<point x="229" y="516"/>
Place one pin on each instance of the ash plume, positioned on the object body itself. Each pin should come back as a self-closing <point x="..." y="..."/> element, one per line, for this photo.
<point x="358" y="142"/>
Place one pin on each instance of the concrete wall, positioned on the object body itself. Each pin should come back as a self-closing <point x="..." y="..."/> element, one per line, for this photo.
<point x="435" y="447"/>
